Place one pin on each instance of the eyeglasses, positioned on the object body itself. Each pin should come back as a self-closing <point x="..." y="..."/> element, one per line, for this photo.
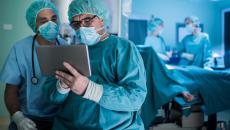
<point x="86" y="22"/>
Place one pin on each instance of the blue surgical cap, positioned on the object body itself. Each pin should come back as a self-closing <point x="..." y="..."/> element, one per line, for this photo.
<point x="154" y="23"/>
<point x="94" y="7"/>
<point x="195" y="20"/>
<point x="35" y="8"/>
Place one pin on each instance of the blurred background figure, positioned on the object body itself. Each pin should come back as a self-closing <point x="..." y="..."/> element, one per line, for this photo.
<point x="154" y="38"/>
<point x="67" y="33"/>
<point x="195" y="48"/>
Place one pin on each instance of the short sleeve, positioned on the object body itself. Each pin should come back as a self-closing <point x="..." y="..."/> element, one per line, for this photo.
<point x="10" y="72"/>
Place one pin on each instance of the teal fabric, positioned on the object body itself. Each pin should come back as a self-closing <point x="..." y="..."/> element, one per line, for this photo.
<point x="94" y="7"/>
<point x="200" y="47"/>
<point x="35" y="8"/>
<point x="153" y="23"/>
<point x="157" y="42"/>
<point x="161" y="85"/>
<point x="117" y="65"/>
<point x="17" y="70"/>
<point x="212" y="86"/>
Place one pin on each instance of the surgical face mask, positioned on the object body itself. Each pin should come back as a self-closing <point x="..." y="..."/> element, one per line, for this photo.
<point x="88" y="35"/>
<point x="49" y="31"/>
<point x="190" y="28"/>
<point x="160" y="32"/>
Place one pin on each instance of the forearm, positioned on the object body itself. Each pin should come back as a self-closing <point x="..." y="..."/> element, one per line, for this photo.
<point x="163" y="56"/>
<point x="11" y="98"/>
<point x="57" y="94"/>
<point x="113" y="97"/>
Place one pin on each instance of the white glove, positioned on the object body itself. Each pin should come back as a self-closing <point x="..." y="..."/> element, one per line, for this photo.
<point x="22" y="122"/>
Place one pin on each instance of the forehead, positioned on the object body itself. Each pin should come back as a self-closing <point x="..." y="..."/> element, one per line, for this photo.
<point x="46" y="13"/>
<point x="82" y="16"/>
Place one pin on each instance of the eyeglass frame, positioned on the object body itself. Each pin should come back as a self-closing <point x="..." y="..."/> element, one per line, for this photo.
<point x="82" y="23"/>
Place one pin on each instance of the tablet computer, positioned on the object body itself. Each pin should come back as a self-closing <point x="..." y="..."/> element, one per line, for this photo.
<point x="51" y="58"/>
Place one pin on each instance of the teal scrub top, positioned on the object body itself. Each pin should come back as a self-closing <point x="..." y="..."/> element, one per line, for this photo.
<point x="200" y="47"/>
<point x="17" y="70"/>
<point x="117" y="65"/>
<point x="157" y="42"/>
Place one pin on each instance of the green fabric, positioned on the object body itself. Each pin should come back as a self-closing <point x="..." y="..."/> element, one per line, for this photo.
<point x="117" y="65"/>
<point x="95" y="7"/>
<point x="163" y="85"/>
<point x="35" y="8"/>
<point x="154" y="23"/>
<point x="160" y="85"/>
<point x="212" y="86"/>
<point x="200" y="47"/>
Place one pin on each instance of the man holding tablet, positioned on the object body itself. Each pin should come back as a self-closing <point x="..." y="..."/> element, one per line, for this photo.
<point x="112" y="96"/>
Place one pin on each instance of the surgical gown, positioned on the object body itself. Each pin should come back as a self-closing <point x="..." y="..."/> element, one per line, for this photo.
<point x="17" y="70"/>
<point x="200" y="47"/>
<point x="117" y="65"/>
<point x="157" y="42"/>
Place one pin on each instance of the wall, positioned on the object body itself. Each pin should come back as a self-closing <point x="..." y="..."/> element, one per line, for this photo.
<point x="174" y="11"/>
<point x="11" y="12"/>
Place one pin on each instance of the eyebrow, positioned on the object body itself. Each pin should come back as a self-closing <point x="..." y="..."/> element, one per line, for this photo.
<point x="44" y="18"/>
<point x="87" y="17"/>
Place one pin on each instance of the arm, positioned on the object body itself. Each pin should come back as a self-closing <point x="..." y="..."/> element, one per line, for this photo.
<point x="11" y="75"/>
<point x="11" y="98"/>
<point x="127" y="93"/>
<point x="183" y="52"/>
<point x="13" y="106"/>
<point x="56" y="94"/>
<point x="163" y="56"/>
<point x="207" y="52"/>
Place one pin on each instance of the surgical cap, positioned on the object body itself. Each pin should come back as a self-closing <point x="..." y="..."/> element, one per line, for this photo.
<point x="195" y="20"/>
<point x="154" y="23"/>
<point x="94" y="7"/>
<point x="35" y="8"/>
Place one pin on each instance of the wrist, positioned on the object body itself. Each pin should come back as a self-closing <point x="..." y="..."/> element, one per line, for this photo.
<point x="93" y="92"/>
<point x="62" y="88"/>
<point x="17" y="116"/>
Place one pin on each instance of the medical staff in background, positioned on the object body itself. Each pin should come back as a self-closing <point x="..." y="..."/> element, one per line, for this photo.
<point x="195" y="48"/>
<point x="155" y="40"/>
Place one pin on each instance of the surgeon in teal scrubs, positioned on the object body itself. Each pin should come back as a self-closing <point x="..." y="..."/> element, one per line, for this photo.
<point x="155" y="40"/>
<point x="24" y="96"/>
<point x="195" y="48"/>
<point x="112" y="96"/>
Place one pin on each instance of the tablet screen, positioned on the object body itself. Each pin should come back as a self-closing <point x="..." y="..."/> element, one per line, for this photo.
<point x="51" y="58"/>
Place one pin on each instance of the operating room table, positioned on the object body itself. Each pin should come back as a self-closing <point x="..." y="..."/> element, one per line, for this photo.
<point x="163" y="85"/>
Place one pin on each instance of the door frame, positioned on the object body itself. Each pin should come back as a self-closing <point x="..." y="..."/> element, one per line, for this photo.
<point x="222" y="21"/>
